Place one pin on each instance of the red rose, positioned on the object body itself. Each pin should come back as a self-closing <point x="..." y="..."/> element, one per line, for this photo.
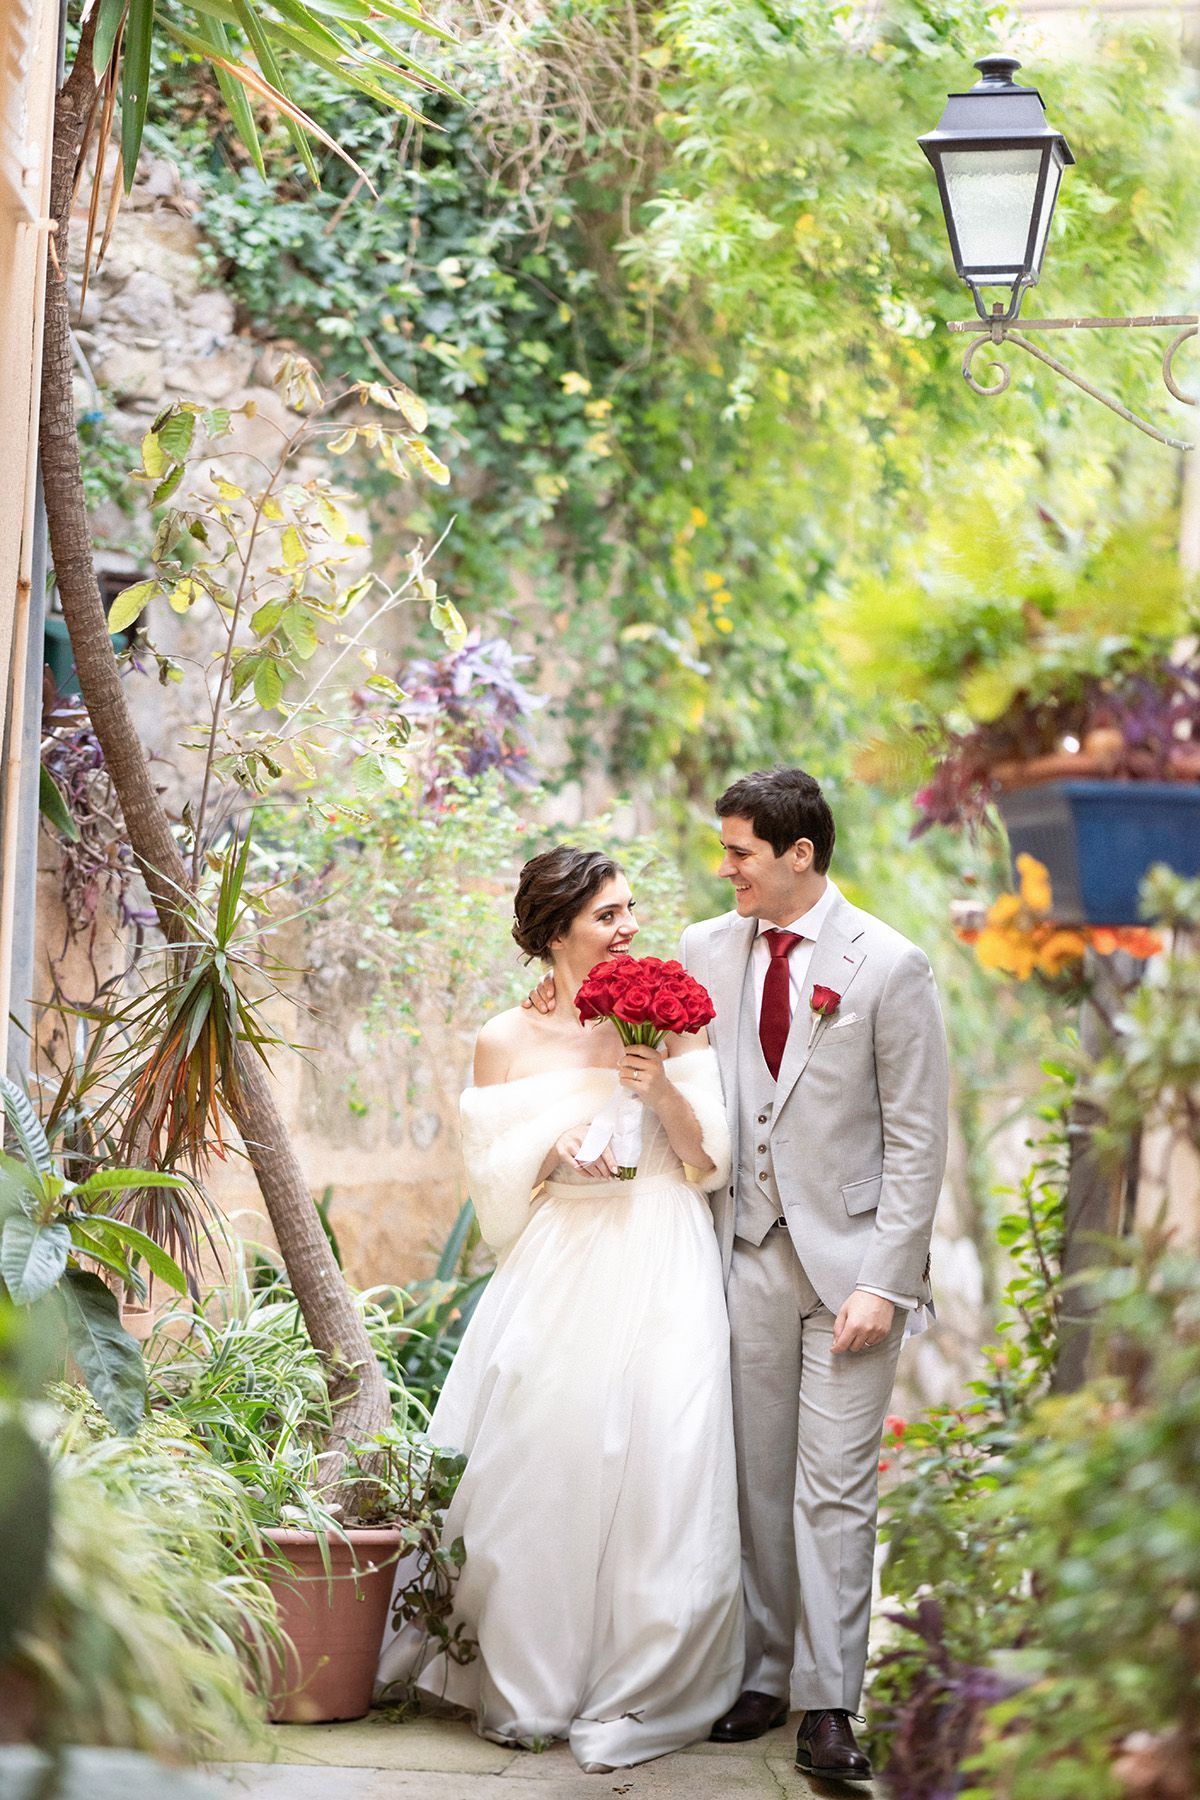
<point x="670" y="1013"/>
<point x="701" y="1010"/>
<point x="634" y="1002"/>
<point x="824" y="1001"/>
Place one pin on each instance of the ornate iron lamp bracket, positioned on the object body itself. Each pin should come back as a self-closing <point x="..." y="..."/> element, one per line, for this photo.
<point x="1000" y="330"/>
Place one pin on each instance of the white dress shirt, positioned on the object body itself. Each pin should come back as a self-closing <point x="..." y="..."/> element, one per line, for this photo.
<point x="808" y="926"/>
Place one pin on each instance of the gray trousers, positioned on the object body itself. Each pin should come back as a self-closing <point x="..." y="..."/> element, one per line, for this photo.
<point x="807" y="1426"/>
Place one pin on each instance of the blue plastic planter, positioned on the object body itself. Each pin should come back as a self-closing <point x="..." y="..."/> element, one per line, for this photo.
<point x="1099" y="838"/>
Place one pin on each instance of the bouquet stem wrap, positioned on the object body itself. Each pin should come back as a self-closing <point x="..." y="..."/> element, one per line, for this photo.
<point x="645" y="999"/>
<point x="620" y="1122"/>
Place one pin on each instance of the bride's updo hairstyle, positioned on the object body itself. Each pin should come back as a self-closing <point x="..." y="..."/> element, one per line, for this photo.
<point x="553" y="890"/>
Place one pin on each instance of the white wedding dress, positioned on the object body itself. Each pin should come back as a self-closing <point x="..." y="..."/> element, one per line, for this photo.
<point x="591" y="1395"/>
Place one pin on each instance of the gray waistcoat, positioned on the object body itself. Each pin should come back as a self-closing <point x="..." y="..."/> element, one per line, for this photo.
<point x="758" y="1203"/>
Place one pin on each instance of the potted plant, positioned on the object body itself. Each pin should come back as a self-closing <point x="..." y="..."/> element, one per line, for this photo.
<point x="248" y="1385"/>
<point x="1063" y="691"/>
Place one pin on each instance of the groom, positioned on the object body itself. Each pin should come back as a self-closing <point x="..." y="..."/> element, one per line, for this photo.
<point x="832" y="1055"/>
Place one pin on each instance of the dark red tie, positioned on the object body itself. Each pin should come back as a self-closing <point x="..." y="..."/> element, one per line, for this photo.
<point x="775" y="1018"/>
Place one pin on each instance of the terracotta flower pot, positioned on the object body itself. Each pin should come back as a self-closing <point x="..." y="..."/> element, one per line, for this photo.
<point x="20" y="1705"/>
<point x="335" y="1626"/>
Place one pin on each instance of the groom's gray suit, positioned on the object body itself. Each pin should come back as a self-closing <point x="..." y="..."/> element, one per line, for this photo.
<point x="837" y="1169"/>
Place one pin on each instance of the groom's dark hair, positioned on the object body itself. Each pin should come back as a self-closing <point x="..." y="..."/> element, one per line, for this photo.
<point x="783" y="805"/>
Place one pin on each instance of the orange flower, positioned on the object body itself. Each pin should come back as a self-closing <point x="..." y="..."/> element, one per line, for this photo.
<point x="1135" y="940"/>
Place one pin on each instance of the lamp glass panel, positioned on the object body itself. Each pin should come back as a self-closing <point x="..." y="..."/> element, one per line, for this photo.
<point x="1053" y="177"/>
<point x="992" y="195"/>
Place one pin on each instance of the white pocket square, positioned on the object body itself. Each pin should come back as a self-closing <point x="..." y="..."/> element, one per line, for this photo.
<point x="850" y="1019"/>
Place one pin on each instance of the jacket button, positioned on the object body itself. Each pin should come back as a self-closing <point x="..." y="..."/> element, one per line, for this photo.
<point x="762" y="1118"/>
<point x="762" y="1149"/>
<point x="762" y="1175"/>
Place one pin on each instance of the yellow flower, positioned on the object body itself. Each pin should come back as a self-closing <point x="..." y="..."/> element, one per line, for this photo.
<point x="598" y="409"/>
<point x="1010" y="952"/>
<point x="1035" y="883"/>
<point x="1003" y="910"/>
<point x="711" y="579"/>
<point x="698" y="517"/>
<point x="575" y="383"/>
<point x="723" y="624"/>
<point x="1060" y="949"/>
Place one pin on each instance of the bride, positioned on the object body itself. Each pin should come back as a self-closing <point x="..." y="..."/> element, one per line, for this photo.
<point x="598" y="1506"/>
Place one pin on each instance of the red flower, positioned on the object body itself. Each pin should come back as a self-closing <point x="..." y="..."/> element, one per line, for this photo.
<point x="644" y="990"/>
<point x="824" y="1001"/>
<point x="896" y="1426"/>
<point x="670" y="1011"/>
<point x="635" y="1003"/>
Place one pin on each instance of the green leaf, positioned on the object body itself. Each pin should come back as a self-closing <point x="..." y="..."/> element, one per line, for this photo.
<point x="108" y="1358"/>
<point x="53" y="807"/>
<point x="268" y="63"/>
<point x="153" y="1255"/>
<point x="176" y="434"/>
<point x="214" y="37"/>
<point x="368" y="773"/>
<point x="166" y="488"/>
<point x="107" y="26"/>
<point x="300" y="629"/>
<point x="135" y="83"/>
<point x="267" y="617"/>
<point x="268" y="683"/>
<point x="124" y="1181"/>
<point x="445" y="617"/>
<point x="32" y="1257"/>
<point x="129" y="605"/>
<point x="25" y="1126"/>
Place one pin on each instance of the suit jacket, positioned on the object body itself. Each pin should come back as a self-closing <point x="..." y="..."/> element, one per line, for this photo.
<point x="859" y="1126"/>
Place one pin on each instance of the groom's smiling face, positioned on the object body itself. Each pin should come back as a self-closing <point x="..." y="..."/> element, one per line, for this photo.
<point x="765" y="886"/>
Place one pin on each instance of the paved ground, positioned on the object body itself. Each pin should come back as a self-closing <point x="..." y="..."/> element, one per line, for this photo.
<point x="436" y="1759"/>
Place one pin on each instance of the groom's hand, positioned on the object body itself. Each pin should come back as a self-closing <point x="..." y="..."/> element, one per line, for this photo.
<point x="863" y="1322"/>
<point x="543" y="996"/>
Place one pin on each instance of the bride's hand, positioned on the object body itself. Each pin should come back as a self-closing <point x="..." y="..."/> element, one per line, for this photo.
<point x="603" y="1169"/>
<point x="643" y="1074"/>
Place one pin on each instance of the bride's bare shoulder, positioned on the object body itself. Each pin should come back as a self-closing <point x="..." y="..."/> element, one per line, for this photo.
<point x="499" y="1044"/>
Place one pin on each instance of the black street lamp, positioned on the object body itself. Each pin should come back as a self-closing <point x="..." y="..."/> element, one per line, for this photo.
<point x="999" y="164"/>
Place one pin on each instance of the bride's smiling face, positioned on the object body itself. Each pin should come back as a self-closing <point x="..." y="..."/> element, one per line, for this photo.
<point x="604" y="926"/>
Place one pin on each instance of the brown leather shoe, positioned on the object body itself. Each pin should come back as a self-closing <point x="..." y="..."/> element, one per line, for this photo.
<point x="825" y="1747"/>
<point x="750" y="1716"/>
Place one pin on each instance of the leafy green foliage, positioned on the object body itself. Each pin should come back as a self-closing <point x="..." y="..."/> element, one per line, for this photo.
<point x="48" y="1223"/>
<point x="1102" y="1486"/>
<point x="155" y="1595"/>
<point x="684" y="332"/>
<point x="943" y="1539"/>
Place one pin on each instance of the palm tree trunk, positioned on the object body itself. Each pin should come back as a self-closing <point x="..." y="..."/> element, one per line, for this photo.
<point x="357" y="1388"/>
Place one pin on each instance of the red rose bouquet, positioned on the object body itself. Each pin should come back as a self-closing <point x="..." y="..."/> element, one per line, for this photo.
<point x="645" y="998"/>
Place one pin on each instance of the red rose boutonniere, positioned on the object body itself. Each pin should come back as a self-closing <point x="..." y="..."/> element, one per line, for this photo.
<point x="823" y="1001"/>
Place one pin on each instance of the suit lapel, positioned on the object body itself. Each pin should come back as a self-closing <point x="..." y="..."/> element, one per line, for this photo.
<point x="836" y="960"/>
<point x="728" y="956"/>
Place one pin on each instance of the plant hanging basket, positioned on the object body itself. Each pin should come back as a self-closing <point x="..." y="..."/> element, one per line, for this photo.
<point x="1099" y="839"/>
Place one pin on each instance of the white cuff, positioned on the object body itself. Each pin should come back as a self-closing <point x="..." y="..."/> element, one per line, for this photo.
<point x="908" y="1301"/>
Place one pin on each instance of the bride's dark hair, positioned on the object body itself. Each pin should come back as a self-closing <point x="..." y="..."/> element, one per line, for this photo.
<point x="553" y="890"/>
